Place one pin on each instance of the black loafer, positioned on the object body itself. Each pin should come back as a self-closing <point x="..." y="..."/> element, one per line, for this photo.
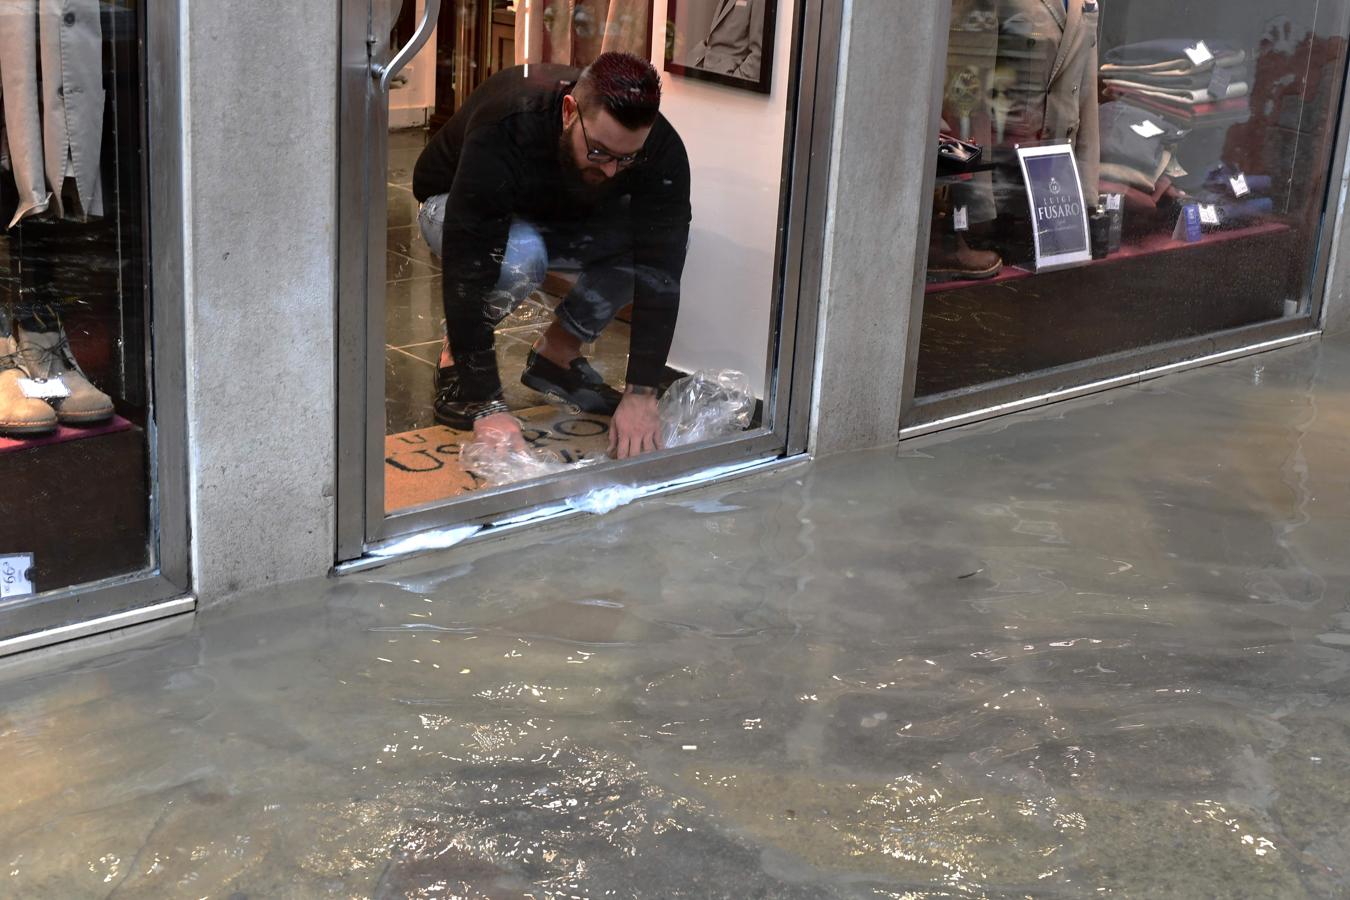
<point x="450" y="409"/>
<point x="578" y="387"/>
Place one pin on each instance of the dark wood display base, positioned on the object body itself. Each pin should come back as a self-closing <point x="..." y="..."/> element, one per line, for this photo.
<point x="976" y="332"/>
<point x="80" y="507"/>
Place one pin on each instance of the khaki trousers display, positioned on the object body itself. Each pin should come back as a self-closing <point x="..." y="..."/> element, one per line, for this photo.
<point x="63" y="139"/>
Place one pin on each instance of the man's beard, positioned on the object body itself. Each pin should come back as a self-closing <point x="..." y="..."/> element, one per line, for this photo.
<point x="574" y="182"/>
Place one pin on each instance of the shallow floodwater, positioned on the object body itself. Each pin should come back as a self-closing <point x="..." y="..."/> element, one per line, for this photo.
<point x="1099" y="650"/>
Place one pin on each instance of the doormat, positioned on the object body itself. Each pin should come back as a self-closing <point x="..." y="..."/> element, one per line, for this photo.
<point x="423" y="466"/>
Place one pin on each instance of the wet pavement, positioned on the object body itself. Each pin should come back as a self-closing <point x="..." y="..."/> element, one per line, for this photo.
<point x="1102" y="649"/>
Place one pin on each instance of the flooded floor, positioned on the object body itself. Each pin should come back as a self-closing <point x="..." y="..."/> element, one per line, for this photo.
<point x="1098" y="650"/>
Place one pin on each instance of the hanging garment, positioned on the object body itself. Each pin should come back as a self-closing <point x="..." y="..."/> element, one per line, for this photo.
<point x="575" y="32"/>
<point x="72" y="98"/>
<point x="1051" y="55"/>
<point x="734" y="45"/>
<point x="19" y="92"/>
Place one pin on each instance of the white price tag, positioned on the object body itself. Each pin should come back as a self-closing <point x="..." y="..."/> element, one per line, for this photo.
<point x="51" y="389"/>
<point x="1199" y="54"/>
<point x="1208" y="214"/>
<point x="1146" y="129"/>
<point x="961" y="220"/>
<point x="1239" y="185"/>
<point x="1112" y="202"/>
<point x="16" y="575"/>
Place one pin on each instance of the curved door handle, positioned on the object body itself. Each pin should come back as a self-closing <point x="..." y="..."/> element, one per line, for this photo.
<point x="385" y="74"/>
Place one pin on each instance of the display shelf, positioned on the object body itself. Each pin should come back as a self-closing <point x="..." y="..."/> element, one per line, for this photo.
<point x="81" y="507"/>
<point x="1147" y="246"/>
<point x="63" y="435"/>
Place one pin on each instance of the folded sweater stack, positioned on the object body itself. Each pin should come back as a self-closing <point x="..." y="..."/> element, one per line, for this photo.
<point x="1136" y="145"/>
<point x="1163" y="77"/>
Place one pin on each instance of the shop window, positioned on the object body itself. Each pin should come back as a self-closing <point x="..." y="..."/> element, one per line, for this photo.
<point x="75" y="476"/>
<point x="1201" y="134"/>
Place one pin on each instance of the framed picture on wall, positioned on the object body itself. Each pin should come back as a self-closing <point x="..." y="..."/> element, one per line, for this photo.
<point x="726" y="41"/>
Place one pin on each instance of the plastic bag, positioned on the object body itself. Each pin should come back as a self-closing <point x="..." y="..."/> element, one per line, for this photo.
<point x="705" y="405"/>
<point x="497" y="463"/>
<point x="697" y="407"/>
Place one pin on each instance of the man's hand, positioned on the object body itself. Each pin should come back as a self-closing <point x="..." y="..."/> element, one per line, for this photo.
<point x="499" y="430"/>
<point x="636" y="426"/>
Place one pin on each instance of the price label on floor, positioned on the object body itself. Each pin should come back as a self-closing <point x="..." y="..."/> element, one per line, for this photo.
<point x="16" y="575"/>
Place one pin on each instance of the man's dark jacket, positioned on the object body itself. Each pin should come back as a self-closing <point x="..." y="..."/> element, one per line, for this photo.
<point x="498" y="159"/>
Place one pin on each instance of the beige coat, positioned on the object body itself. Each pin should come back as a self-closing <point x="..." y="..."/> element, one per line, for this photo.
<point x="72" y="95"/>
<point x="66" y="139"/>
<point x="1059" y="96"/>
<point x="23" y="119"/>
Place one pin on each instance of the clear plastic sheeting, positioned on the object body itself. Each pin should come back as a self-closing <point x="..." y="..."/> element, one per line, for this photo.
<point x="704" y="406"/>
<point x="696" y="408"/>
<point x="499" y="463"/>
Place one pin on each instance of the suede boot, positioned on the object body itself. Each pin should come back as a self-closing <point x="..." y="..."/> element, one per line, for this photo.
<point x="19" y="413"/>
<point x="44" y="353"/>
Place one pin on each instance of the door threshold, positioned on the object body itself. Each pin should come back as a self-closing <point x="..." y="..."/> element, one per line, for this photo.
<point x="399" y="549"/>
<point x="115" y="622"/>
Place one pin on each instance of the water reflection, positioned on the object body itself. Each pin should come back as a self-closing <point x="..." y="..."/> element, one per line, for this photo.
<point x="872" y="682"/>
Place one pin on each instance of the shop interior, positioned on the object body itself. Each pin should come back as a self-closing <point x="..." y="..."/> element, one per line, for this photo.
<point x="74" y="392"/>
<point x="734" y="138"/>
<point x="1203" y="134"/>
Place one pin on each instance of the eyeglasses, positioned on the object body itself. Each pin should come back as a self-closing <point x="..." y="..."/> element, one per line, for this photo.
<point x="603" y="157"/>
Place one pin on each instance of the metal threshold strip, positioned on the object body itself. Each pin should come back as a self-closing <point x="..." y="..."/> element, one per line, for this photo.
<point x="1093" y="387"/>
<point x="444" y="538"/>
<point x="114" y="622"/>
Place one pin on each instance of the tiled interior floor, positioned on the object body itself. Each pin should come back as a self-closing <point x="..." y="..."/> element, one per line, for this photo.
<point x="413" y="316"/>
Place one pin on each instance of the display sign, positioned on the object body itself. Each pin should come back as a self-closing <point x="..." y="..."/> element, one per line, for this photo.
<point x="16" y="575"/>
<point x="1188" y="224"/>
<point x="1058" y="213"/>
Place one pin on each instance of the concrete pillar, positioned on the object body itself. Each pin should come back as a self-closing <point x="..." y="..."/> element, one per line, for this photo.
<point x="890" y="70"/>
<point x="261" y="123"/>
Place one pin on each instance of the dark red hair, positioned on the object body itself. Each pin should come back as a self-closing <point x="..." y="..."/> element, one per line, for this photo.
<point x="627" y="86"/>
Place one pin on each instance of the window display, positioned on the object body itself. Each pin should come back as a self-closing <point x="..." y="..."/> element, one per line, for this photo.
<point x="73" y="379"/>
<point x="1202" y="137"/>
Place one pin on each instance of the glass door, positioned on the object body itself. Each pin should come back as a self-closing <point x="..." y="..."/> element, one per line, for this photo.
<point x="575" y="264"/>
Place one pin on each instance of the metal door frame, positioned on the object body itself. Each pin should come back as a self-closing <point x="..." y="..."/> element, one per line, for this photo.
<point x="363" y="122"/>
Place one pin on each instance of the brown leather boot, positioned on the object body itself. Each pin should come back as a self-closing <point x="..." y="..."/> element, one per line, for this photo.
<point x="950" y="258"/>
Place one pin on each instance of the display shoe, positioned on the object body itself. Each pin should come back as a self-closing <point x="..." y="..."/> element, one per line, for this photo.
<point x="44" y="353"/>
<point x="950" y="258"/>
<point x="452" y="410"/>
<point x="577" y="387"/>
<point x="19" y="413"/>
